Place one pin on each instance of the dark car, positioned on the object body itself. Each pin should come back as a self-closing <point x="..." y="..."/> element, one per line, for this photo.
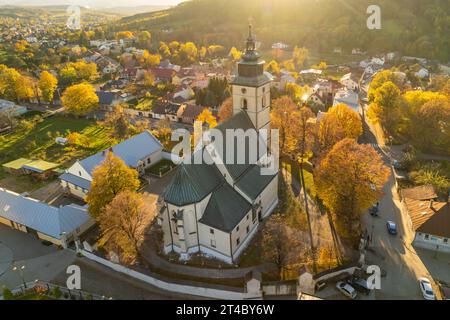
<point x="391" y="227"/>
<point x="373" y="211"/>
<point x="360" y="285"/>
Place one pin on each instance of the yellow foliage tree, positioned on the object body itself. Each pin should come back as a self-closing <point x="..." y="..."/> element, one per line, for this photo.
<point x="349" y="180"/>
<point x="109" y="179"/>
<point x="207" y="117"/>
<point x="80" y="99"/>
<point x="47" y="84"/>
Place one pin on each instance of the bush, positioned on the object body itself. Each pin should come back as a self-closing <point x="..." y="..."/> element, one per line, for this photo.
<point x="57" y="292"/>
<point x="7" y="294"/>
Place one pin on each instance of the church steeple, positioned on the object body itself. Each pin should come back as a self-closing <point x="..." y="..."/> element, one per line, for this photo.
<point x="250" y="50"/>
<point x="251" y="86"/>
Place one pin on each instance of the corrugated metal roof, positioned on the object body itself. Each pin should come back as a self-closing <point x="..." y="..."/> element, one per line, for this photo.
<point x="75" y="180"/>
<point x="41" y="217"/>
<point x="130" y="151"/>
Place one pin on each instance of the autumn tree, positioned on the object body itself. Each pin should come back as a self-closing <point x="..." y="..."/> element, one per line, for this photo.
<point x="284" y="117"/>
<point x="431" y="128"/>
<point x="349" y="180"/>
<point x="277" y="246"/>
<point x="381" y="78"/>
<point x="47" y="84"/>
<point x="119" y="124"/>
<point x="149" y="60"/>
<point x="144" y="38"/>
<point x="226" y="110"/>
<point x="80" y="99"/>
<point x="299" y="56"/>
<point x="207" y="117"/>
<point x="123" y="223"/>
<point x="235" y="54"/>
<point x="297" y="93"/>
<point x="273" y="67"/>
<point x="338" y="123"/>
<point x="109" y="179"/>
<point x="385" y="105"/>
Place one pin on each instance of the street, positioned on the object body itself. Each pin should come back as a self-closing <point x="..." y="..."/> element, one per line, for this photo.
<point x="48" y="263"/>
<point x="394" y="254"/>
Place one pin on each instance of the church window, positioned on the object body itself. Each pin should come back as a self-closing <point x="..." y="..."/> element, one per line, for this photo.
<point x="211" y="231"/>
<point x="213" y="243"/>
<point x="244" y="104"/>
<point x="238" y="241"/>
<point x="244" y="91"/>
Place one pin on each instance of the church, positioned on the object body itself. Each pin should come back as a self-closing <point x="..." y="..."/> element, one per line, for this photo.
<point x="216" y="208"/>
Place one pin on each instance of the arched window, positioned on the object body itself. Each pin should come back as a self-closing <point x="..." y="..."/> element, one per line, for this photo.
<point x="244" y="104"/>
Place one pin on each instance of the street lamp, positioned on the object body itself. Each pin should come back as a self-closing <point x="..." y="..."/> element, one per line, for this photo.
<point x="21" y="269"/>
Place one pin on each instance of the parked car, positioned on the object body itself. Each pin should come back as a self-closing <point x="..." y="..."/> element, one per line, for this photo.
<point x="426" y="288"/>
<point x="391" y="227"/>
<point x="346" y="289"/>
<point x="360" y="285"/>
<point x="373" y="211"/>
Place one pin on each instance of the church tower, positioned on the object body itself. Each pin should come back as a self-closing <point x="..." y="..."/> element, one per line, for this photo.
<point x="251" y="86"/>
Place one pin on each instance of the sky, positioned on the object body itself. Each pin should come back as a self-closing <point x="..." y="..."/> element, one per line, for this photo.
<point x="92" y="3"/>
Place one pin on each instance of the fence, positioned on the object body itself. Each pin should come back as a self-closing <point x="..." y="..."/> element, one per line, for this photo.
<point x="208" y="292"/>
<point x="49" y="289"/>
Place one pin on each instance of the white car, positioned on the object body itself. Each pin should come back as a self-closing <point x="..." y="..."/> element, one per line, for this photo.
<point x="346" y="289"/>
<point x="426" y="288"/>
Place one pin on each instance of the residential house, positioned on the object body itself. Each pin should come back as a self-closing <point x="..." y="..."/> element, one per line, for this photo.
<point x="348" y="97"/>
<point x="166" y="110"/>
<point x="190" y="112"/>
<point x="350" y="81"/>
<point x="163" y="75"/>
<point x="10" y="108"/>
<point x="428" y="218"/>
<point x="60" y="226"/>
<point x="139" y="152"/>
<point x="422" y="73"/>
<point x="217" y="206"/>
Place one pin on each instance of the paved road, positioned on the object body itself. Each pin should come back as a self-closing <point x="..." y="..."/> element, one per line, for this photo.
<point x="47" y="263"/>
<point x="393" y="253"/>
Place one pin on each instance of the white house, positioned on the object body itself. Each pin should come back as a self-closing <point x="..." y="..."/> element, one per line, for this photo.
<point x="216" y="207"/>
<point x="428" y="218"/>
<point x="378" y="60"/>
<point x="60" y="225"/>
<point x="350" y="81"/>
<point x="139" y="152"/>
<point x="422" y="73"/>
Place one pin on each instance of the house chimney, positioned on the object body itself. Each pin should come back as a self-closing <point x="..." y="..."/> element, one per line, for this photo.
<point x="431" y="204"/>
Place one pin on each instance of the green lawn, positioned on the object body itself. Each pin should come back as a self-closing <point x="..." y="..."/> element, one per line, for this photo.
<point x="161" y="167"/>
<point x="308" y="176"/>
<point x="39" y="142"/>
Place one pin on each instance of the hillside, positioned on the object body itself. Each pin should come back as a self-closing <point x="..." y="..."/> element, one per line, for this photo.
<point x="413" y="27"/>
<point x="55" y="13"/>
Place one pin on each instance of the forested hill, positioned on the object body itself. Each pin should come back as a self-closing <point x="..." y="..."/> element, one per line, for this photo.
<point x="413" y="27"/>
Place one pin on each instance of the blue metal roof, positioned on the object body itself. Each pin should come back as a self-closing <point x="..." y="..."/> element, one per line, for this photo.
<point x="75" y="180"/>
<point x="130" y="151"/>
<point x="41" y="217"/>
